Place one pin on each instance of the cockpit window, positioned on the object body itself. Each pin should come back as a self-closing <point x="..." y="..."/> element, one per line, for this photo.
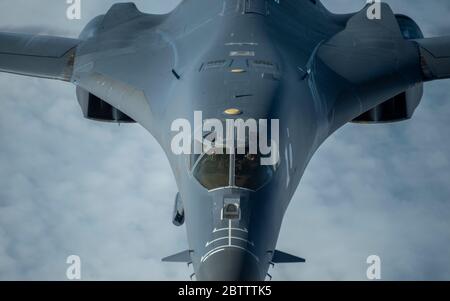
<point x="249" y="173"/>
<point x="213" y="170"/>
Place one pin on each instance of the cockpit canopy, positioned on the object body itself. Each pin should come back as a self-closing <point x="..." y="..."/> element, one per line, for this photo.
<point x="219" y="168"/>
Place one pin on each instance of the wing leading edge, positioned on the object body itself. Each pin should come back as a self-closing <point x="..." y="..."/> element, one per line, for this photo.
<point x="37" y="55"/>
<point x="435" y="57"/>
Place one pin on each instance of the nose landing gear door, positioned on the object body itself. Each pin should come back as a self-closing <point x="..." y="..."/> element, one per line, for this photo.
<point x="256" y="7"/>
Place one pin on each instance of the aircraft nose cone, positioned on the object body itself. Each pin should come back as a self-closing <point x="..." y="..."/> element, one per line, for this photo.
<point x="230" y="264"/>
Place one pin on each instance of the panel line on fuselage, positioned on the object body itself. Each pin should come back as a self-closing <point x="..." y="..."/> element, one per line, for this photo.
<point x="222" y="248"/>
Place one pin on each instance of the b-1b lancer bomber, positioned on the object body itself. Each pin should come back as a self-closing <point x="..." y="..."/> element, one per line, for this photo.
<point x="239" y="94"/>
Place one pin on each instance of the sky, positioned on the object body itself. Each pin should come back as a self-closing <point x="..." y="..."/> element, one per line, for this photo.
<point x="70" y="186"/>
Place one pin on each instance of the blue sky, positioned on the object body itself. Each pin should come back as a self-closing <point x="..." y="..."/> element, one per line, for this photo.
<point x="105" y="193"/>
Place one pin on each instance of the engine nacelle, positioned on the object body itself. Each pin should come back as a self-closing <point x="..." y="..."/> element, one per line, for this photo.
<point x="92" y="28"/>
<point x="96" y="109"/>
<point x="409" y="28"/>
<point x="398" y="108"/>
<point x="402" y="106"/>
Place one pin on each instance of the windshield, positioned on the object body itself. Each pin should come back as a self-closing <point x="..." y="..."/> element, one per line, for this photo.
<point x="214" y="171"/>
<point x="249" y="173"/>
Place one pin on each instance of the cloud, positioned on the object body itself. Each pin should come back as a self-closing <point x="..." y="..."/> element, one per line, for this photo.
<point x="105" y="193"/>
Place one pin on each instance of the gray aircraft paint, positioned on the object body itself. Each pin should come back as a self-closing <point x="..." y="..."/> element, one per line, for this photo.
<point x="325" y="70"/>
